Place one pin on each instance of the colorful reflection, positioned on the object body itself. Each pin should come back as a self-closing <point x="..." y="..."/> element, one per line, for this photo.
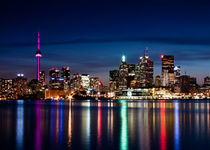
<point x="38" y="137"/>
<point x="176" y="127"/>
<point x="124" y="127"/>
<point x="20" y="124"/>
<point x="99" y="139"/>
<point x="102" y="125"/>
<point x="163" y="128"/>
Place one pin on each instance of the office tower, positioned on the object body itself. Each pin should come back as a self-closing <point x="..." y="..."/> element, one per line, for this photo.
<point x="177" y="73"/>
<point x="95" y="83"/>
<point x="113" y="80"/>
<point x="55" y="81"/>
<point x="123" y="74"/>
<point x="146" y="70"/>
<point x="6" y="89"/>
<point x="157" y="81"/>
<point x="137" y="76"/>
<point x="76" y="82"/>
<point x="38" y="55"/>
<point x="167" y="70"/>
<point x="85" y="80"/>
<point x="131" y="75"/>
<point x="42" y="77"/>
<point x="65" y="74"/>
<point x="20" y="85"/>
<point x="184" y="83"/>
<point x="207" y="81"/>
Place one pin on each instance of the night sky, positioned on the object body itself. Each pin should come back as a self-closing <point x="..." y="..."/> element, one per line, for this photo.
<point x="91" y="35"/>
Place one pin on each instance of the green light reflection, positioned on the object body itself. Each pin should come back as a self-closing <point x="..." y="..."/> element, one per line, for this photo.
<point x="124" y="127"/>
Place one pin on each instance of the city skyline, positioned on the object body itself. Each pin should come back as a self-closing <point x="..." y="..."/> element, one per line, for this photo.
<point x="94" y="43"/>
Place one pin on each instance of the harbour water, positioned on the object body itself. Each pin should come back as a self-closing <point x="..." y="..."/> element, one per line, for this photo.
<point x="105" y="125"/>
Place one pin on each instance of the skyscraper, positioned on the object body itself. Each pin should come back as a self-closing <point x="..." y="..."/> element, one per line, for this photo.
<point x="146" y="70"/>
<point x="167" y="70"/>
<point x="42" y="77"/>
<point x="123" y="74"/>
<point x="177" y="73"/>
<point x="85" y="81"/>
<point x="113" y="80"/>
<point x="65" y="75"/>
<point x="54" y="79"/>
<point x="38" y="55"/>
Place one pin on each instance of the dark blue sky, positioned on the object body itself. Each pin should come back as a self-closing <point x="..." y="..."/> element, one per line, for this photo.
<point x="90" y="36"/>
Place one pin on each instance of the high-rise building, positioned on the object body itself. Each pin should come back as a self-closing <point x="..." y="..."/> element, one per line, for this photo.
<point x="95" y="83"/>
<point x="157" y="81"/>
<point x="65" y="74"/>
<point x="42" y="77"/>
<point x="146" y="70"/>
<point x="76" y="82"/>
<point x="131" y="75"/>
<point x="38" y="55"/>
<point x="6" y="89"/>
<point x="20" y="85"/>
<point x="167" y="70"/>
<point x="85" y="80"/>
<point x="177" y="73"/>
<point x="123" y="74"/>
<point x="56" y="83"/>
<point x="137" y="76"/>
<point x="207" y="81"/>
<point x="184" y="83"/>
<point x="113" y="80"/>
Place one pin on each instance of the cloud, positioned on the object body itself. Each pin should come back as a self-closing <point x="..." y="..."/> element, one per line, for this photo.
<point x="161" y="40"/>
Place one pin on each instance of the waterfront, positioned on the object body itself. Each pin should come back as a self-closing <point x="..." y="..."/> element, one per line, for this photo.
<point x="105" y="124"/>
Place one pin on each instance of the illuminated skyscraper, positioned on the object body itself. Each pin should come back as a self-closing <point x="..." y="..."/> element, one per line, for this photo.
<point x="146" y="70"/>
<point x="42" y="77"/>
<point x="54" y="79"/>
<point x="65" y="75"/>
<point x="123" y="74"/>
<point x="157" y="81"/>
<point x="38" y="55"/>
<point x="177" y="73"/>
<point x="167" y="70"/>
<point x="113" y="80"/>
<point x="85" y="81"/>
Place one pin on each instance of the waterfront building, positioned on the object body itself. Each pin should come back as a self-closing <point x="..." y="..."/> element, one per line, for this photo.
<point x="157" y="81"/>
<point x="177" y="74"/>
<point x="207" y="81"/>
<point x="123" y="74"/>
<point x="20" y="85"/>
<point x="55" y="81"/>
<point x="136" y="83"/>
<point x="6" y="89"/>
<point x="76" y="82"/>
<point x="65" y="75"/>
<point x="167" y="70"/>
<point x="85" y="80"/>
<point x="113" y="80"/>
<point x="184" y="84"/>
<point x="146" y="70"/>
<point x="95" y="84"/>
<point x="42" y="77"/>
<point x="131" y="75"/>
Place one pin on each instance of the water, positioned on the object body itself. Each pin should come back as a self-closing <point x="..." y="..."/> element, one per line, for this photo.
<point x="104" y="125"/>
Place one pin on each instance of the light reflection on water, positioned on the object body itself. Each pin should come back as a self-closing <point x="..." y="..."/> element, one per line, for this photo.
<point x="104" y="125"/>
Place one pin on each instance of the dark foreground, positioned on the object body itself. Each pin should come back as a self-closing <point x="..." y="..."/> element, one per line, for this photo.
<point x="105" y="125"/>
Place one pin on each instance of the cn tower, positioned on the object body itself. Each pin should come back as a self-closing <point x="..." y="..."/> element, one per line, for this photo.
<point x="38" y="55"/>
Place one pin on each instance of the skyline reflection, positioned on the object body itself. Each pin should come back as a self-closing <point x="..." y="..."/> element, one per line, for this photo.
<point x="104" y="125"/>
